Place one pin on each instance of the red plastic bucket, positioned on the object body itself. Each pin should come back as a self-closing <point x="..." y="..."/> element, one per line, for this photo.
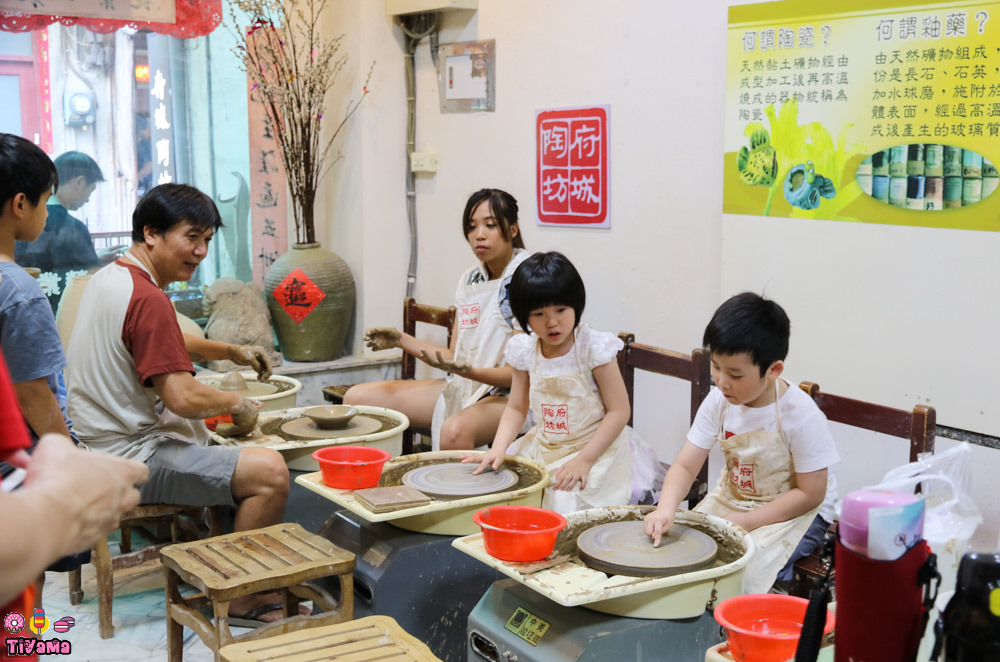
<point x="764" y="627"/>
<point x="519" y="533"/>
<point x="351" y="467"/>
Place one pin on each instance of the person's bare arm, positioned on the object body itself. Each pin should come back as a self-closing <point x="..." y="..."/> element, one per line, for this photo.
<point x="76" y="495"/>
<point x="808" y="493"/>
<point x="40" y="408"/>
<point x="511" y="422"/>
<point x="615" y="397"/>
<point x="203" y="349"/>
<point x="676" y="485"/>
<point x="189" y="398"/>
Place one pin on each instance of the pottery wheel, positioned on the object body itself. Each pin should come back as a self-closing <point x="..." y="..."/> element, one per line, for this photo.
<point x="304" y="428"/>
<point x="454" y="480"/>
<point x="622" y="548"/>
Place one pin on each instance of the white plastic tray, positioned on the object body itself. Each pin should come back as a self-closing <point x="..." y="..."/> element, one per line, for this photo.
<point x="567" y="581"/>
<point x="452" y="517"/>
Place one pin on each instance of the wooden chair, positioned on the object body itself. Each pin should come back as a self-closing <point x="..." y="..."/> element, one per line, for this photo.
<point x="919" y="425"/>
<point x="693" y="367"/>
<point x="284" y="558"/>
<point x="413" y="312"/>
<point x="140" y="517"/>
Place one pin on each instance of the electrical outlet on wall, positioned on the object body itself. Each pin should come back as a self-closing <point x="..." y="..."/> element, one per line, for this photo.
<point x="423" y="162"/>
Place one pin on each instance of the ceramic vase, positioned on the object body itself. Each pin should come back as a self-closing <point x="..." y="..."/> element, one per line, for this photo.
<point x="310" y="294"/>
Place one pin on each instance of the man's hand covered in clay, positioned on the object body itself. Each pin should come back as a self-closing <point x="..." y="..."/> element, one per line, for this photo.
<point x="255" y="357"/>
<point x="244" y="420"/>
<point x="441" y="363"/>
<point x="382" y="337"/>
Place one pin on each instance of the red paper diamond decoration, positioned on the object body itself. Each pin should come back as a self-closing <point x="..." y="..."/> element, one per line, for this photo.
<point x="298" y="295"/>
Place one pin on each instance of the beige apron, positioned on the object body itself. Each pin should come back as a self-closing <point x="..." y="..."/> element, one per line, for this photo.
<point x="759" y="469"/>
<point x="482" y="338"/>
<point x="567" y="412"/>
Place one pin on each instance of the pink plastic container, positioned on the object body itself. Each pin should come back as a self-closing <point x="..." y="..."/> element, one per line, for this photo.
<point x="854" y="514"/>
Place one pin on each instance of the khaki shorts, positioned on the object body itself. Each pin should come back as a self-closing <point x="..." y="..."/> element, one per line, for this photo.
<point x="186" y="474"/>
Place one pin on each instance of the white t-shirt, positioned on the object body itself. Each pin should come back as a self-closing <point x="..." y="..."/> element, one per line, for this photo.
<point x="803" y="426"/>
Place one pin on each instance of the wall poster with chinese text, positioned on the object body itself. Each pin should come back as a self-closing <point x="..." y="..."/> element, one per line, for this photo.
<point x="883" y="111"/>
<point x="572" y="166"/>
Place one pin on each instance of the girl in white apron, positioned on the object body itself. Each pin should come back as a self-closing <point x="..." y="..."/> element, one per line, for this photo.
<point x="462" y="409"/>
<point x="746" y="333"/>
<point x="568" y="377"/>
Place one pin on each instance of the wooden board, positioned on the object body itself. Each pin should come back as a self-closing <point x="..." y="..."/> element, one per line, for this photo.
<point x="388" y="499"/>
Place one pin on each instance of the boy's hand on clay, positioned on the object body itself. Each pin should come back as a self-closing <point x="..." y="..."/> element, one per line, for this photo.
<point x="657" y="523"/>
<point x="255" y="357"/>
<point x="382" y="337"/>
<point x="244" y="420"/>
<point x="441" y="363"/>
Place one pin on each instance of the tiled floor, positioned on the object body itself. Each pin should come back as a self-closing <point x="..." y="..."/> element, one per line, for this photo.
<point x="139" y="619"/>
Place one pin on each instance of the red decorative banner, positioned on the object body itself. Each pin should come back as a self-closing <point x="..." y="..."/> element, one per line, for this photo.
<point x="269" y="204"/>
<point x="572" y="166"/>
<point x="298" y="295"/>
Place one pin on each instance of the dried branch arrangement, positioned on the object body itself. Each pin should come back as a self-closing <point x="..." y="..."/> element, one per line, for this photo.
<point x="291" y="67"/>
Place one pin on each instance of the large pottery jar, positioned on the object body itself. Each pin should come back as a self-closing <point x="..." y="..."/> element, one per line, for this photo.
<point x="310" y="293"/>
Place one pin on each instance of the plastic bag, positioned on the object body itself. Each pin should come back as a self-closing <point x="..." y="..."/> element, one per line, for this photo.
<point x="951" y="517"/>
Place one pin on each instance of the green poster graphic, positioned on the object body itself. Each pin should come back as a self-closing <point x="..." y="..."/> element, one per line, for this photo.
<point x="884" y="112"/>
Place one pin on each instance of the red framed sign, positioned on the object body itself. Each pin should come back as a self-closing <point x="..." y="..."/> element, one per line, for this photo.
<point x="572" y="166"/>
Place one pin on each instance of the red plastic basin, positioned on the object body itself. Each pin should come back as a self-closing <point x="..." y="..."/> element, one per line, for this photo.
<point x="350" y="467"/>
<point x="764" y="627"/>
<point x="519" y="533"/>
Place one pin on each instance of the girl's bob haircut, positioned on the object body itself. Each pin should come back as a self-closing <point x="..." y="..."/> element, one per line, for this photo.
<point x="546" y="279"/>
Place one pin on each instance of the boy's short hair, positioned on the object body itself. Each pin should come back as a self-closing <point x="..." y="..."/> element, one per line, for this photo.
<point x="24" y="168"/>
<point x="749" y="323"/>
<point x="71" y="165"/>
<point x="166" y="205"/>
<point x="504" y="208"/>
<point x="546" y="279"/>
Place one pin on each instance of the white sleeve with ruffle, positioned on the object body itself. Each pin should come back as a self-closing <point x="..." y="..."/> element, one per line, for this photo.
<point x="597" y="347"/>
<point x="520" y="351"/>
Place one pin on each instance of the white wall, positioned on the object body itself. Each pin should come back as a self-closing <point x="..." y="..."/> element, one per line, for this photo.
<point x="670" y="257"/>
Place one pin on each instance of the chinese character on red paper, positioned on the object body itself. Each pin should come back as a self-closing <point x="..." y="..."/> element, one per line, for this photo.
<point x="298" y="295"/>
<point x="572" y="166"/>
<point x="555" y="419"/>
<point x="741" y="476"/>
<point x="468" y="316"/>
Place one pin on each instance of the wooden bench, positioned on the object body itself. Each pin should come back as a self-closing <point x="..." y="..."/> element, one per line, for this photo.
<point x="693" y="367"/>
<point x="280" y="558"/>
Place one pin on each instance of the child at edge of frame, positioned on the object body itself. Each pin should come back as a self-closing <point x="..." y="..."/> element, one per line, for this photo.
<point x="777" y="482"/>
<point x="567" y="375"/>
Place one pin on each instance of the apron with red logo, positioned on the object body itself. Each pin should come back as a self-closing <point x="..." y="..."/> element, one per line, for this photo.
<point x="567" y="412"/>
<point x="758" y="470"/>
<point x="482" y="338"/>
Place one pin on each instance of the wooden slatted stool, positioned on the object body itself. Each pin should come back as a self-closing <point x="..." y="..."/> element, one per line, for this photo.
<point x="369" y="638"/>
<point x="279" y="558"/>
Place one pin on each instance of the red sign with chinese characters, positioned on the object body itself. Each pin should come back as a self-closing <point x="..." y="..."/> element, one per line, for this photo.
<point x="298" y="295"/>
<point x="572" y="166"/>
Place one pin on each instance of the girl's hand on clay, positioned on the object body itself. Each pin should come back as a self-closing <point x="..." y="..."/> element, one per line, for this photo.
<point x="255" y="357"/>
<point x="491" y="459"/>
<point x="244" y="420"/>
<point x="574" y="471"/>
<point x="382" y="337"/>
<point x="441" y="363"/>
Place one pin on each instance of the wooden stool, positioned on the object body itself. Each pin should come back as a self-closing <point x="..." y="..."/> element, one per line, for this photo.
<point x="278" y="558"/>
<point x="369" y="638"/>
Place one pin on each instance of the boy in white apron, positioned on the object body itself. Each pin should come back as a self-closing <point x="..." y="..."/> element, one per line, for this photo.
<point x="777" y="483"/>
